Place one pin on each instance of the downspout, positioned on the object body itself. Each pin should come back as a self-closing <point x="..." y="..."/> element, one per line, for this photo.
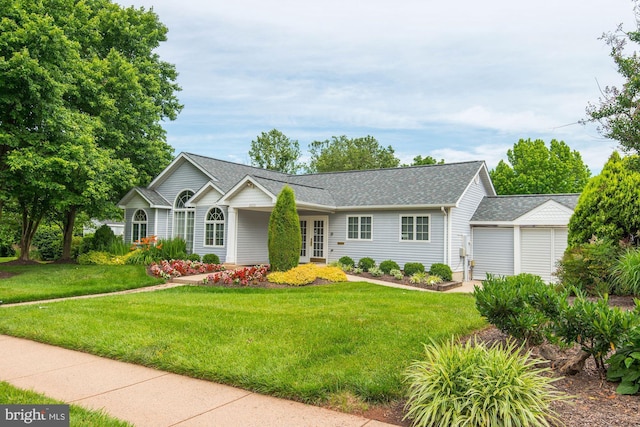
<point x="445" y="236"/>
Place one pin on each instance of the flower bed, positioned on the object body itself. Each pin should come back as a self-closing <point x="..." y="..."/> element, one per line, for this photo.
<point x="178" y="268"/>
<point x="240" y="276"/>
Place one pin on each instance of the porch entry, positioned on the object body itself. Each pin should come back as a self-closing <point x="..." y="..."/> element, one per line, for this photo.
<point x="314" y="239"/>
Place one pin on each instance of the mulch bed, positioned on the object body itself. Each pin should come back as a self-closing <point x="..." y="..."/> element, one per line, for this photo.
<point x="407" y="281"/>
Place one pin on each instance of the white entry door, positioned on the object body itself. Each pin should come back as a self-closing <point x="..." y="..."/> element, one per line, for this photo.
<point x="314" y="239"/>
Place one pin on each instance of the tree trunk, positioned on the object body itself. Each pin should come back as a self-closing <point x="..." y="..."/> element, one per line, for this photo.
<point x="69" y="223"/>
<point x="29" y="228"/>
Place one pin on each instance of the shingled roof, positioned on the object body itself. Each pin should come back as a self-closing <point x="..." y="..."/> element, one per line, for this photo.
<point x="510" y="208"/>
<point x="432" y="185"/>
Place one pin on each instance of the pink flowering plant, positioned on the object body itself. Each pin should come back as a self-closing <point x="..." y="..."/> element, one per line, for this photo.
<point x="241" y="276"/>
<point x="178" y="268"/>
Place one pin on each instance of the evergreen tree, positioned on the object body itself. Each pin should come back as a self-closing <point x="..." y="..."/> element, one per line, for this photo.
<point x="285" y="239"/>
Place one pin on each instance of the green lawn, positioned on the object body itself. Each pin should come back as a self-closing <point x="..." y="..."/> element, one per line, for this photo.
<point x="45" y="281"/>
<point x="7" y="259"/>
<point x="78" y="416"/>
<point x="309" y="344"/>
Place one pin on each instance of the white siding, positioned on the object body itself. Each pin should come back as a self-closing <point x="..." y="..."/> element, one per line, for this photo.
<point x="253" y="228"/>
<point x="460" y="217"/>
<point x="199" y="228"/>
<point x="541" y="248"/>
<point x="492" y="251"/>
<point x="251" y="196"/>
<point x="385" y="243"/>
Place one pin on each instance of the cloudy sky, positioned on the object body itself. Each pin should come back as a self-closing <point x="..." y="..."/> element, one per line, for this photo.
<point x="459" y="80"/>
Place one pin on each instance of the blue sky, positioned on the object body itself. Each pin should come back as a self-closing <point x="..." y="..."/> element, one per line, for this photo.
<point x="459" y="80"/>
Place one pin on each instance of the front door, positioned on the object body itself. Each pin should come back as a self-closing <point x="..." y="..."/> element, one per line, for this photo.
<point x="314" y="239"/>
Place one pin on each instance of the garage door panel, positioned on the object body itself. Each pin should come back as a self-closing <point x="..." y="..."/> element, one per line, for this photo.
<point x="492" y="252"/>
<point x="540" y="250"/>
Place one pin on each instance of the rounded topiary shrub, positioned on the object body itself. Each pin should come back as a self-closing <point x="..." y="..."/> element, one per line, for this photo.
<point x="388" y="265"/>
<point x="345" y="260"/>
<point x="366" y="263"/>
<point x="193" y="257"/>
<point x="474" y="385"/>
<point x="442" y="270"/>
<point x="412" y="268"/>
<point x="211" y="259"/>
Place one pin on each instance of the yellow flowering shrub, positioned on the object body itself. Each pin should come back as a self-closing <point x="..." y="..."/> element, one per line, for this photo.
<point x="306" y="274"/>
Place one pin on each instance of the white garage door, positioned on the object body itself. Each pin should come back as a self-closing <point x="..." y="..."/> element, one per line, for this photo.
<point x="541" y="249"/>
<point x="492" y="251"/>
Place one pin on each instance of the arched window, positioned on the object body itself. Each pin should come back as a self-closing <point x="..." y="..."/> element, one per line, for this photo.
<point x="183" y="219"/>
<point x="139" y="222"/>
<point x="214" y="228"/>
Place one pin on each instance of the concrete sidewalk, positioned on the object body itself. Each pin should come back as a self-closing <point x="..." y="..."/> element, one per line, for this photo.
<point x="149" y="397"/>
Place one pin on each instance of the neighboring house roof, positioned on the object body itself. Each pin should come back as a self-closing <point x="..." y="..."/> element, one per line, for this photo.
<point x="432" y="185"/>
<point x="510" y="208"/>
<point x="152" y="197"/>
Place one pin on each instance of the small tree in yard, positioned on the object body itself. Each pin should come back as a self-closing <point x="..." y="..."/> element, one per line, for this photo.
<point x="284" y="238"/>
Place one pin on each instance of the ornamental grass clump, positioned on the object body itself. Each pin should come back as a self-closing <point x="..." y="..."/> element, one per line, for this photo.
<point x="473" y="385"/>
<point x="626" y="273"/>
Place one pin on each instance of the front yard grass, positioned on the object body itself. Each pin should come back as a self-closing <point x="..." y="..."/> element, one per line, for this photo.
<point x="46" y="281"/>
<point x="309" y="344"/>
<point x="78" y="416"/>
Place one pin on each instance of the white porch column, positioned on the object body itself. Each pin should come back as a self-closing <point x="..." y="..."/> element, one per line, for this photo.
<point x="232" y="217"/>
<point x="517" y="264"/>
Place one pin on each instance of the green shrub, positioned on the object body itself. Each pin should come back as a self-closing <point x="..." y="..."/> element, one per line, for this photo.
<point x="433" y="279"/>
<point x="624" y="365"/>
<point x="48" y="240"/>
<point x="518" y="305"/>
<point x="169" y="249"/>
<point x="442" y="270"/>
<point x="119" y="247"/>
<point x="103" y="238"/>
<point x="86" y="245"/>
<point x="418" y="277"/>
<point x="7" y="240"/>
<point x="345" y="260"/>
<point x="193" y="257"/>
<point x="595" y="326"/>
<point x="388" y="265"/>
<point x="411" y="268"/>
<point x="366" y="263"/>
<point x="211" y="259"/>
<point x="103" y="258"/>
<point x="143" y="257"/>
<point x="284" y="239"/>
<point x="588" y="266"/>
<point x="473" y="385"/>
<point x="626" y="273"/>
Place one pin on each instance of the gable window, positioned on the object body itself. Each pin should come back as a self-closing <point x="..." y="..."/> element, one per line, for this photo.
<point x="214" y="228"/>
<point x="359" y="227"/>
<point x="183" y="219"/>
<point x="139" y="225"/>
<point x="414" y="228"/>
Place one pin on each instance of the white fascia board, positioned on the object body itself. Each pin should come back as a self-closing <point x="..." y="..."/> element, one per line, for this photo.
<point x="394" y="207"/>
<point x="491" y="223"/>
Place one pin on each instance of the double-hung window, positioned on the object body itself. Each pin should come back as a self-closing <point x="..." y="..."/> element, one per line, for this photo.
<point x="359" y="227"/>
<point x="139" y="225"/>
<point x="183" y="219"/>
<point x="414" y="228"/>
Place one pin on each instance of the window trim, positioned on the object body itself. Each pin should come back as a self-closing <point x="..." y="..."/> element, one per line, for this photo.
<point x="135" y="222"/>
<point x="185" y="223"/>
<point x="414" y="232"/>
<point x="359" y="238"/>
<point x="215" y="224"/>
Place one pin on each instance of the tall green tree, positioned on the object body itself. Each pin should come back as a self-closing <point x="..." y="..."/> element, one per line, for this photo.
<point x="617" y="109"/>
<point x="426" y="160"/>
<point x="273" y="150"/>
<point x="609" y="206"/>
<point x="342" y="154"/>
<point x="83" y="96"/>
<point x="284" y="238"/>
<point x="534" y="168"/>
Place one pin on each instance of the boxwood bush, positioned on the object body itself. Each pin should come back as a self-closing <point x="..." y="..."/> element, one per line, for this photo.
<point x="366" y="263"/>
<point x="442" y="270"/>
<point x="388" y="265"/>
<point x="345" y="260"/>
<point x="412" y="268"/>
<point x="211" y="259"/>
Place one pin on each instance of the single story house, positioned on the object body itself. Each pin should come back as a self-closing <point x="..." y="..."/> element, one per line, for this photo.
<point x="428" y="214"/>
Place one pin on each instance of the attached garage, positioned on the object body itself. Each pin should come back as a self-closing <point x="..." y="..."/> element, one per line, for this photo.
<point x="536" y="226"/>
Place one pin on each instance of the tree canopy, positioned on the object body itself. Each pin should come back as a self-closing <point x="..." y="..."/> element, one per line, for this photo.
<point x="342" y="154"/>
<point x="82" y="100"/>
<point x="617" y="108"/>
<point x="534" y="168"/>
<point x="609" y="206"/>
<point x="273" y="150"/>
<point x="426" y="160"/>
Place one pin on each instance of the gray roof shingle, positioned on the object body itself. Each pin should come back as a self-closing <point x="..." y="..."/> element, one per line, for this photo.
<point x="432" y="185"/>
<point x="153" y="197"/>
<point x="510" y="208"/>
